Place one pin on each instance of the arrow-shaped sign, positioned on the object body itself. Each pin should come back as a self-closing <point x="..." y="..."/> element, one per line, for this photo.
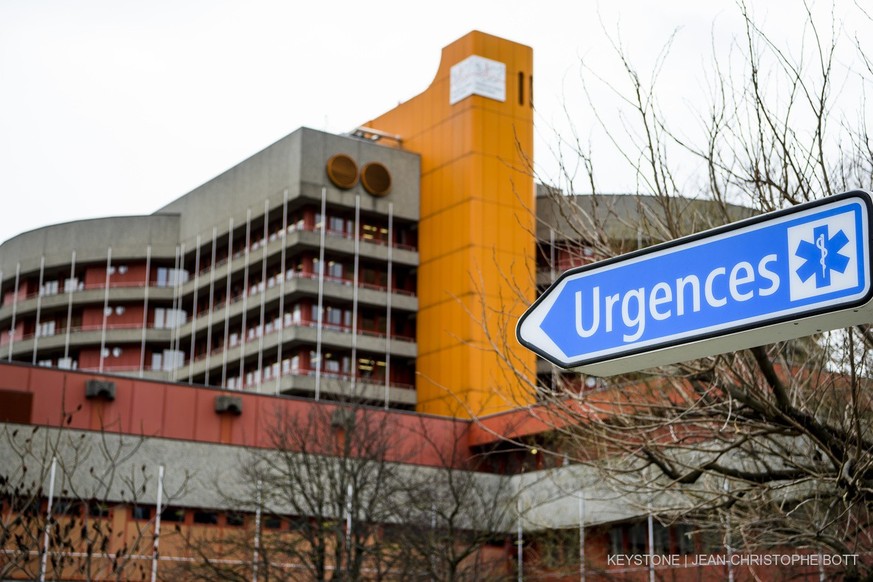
<point x="774" y="277"/>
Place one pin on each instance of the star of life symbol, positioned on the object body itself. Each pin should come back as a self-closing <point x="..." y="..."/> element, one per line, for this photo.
<point x="825" y="252"/>
<point x="822" y="256"/>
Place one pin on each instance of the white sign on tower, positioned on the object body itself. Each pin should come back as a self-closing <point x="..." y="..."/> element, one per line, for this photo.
<point x="477" y="75"/>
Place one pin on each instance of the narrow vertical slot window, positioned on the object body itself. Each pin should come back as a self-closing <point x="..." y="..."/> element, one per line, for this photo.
<point x="520" y="88"/>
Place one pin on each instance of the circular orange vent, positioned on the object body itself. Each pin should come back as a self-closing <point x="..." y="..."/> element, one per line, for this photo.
<point x="376" y="179"/>
<point x="342" y="171"/>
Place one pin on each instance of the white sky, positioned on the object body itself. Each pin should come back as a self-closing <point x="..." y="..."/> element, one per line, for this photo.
<point x="117" y="107"/>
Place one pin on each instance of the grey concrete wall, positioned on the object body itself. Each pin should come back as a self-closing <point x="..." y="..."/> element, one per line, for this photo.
<point x="627" y="216"/>
<point x="297" y="163"/>
<point x="266" y="174"/>
<point x="405" y="169"/>
<point x="127" y="235"/>
<point x="207" y="475"/>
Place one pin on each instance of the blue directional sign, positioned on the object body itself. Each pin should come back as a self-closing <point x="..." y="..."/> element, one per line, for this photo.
<point x="774" y="277"/>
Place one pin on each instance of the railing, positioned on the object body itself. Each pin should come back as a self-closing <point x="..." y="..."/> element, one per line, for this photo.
<point x="292" y="228"/>
<point x="240" y="341"/>
<point x="86" y="287"/>
<point x="77" y="328"/>
<point x="253" y="291"/>
<point x="291" y="275"/>
<point x="205" y="270"/>
<point x="237" y="383"/>
<point x="110" y="369"/>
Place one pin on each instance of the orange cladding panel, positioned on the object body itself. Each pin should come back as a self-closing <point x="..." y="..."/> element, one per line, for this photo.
<point x="476" y="239"/>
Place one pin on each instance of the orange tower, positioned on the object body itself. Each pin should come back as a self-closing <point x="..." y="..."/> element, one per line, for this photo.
<point x="473" y="128"/>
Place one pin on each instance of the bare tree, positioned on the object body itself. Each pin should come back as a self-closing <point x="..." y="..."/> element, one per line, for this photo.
<point x="326" y="487"/>
<point x="347" y="492"/>
<point x="770" y="447"/>
<point x="455" y="515"/>
<point x="58" y="489"/>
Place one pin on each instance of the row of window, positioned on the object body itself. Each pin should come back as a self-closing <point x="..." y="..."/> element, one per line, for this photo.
<point x="339" y="366"/>
<point x="170" y="277"/>
<point x="633" y="538"/>
<point x="165" y="277"/>
<point x="164" y="318"/>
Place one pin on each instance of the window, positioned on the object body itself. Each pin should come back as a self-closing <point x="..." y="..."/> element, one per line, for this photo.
<point x="638" y="538"/>
<point x="272" y="522"/>
<point x="169" y="318"/>
<point x="375" y="277"/>
<point x="634" y="539"/>
<point x="370" y="322"/>
<point x="49" y="288"/>
<point x="661" y="538"/>
<point x="173" y="359"/>
<point x="295" y="224"/>
<point x="176" y="318"/>
<point x="336" y="316"/>
<point x="46" y="328"/>
<point x="235" y="519"/>
<point x="173" y="514"/>
<point x="371" y="232"/>
<point x="142" y="513"/>
<point x="206" y="517"/>
<point x="253" y="378"/>
<point x="336" y="224"/>
<point x="98" y="509"/>
<point x="334" y="269"/>
<point x="171" y="277"/>
<point x="684" y="539"/>
<point x="65" y="507"/>
<point x="331" y="365"/>
<point x="71" y="284"/>
<point x="168" y="360"/>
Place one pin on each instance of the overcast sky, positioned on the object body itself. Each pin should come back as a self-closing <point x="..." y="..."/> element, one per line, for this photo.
<point x="117" y="107"/>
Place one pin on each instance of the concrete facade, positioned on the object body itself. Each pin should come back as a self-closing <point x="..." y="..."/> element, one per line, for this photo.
<point x="222" y="286"/>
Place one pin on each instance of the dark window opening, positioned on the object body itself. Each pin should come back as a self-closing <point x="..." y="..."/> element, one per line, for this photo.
<point x="272" y="522"/>
<point x="65" y="507"/>
<point x="173" y="514"/>
<point x="530" y="93"/>
<point x="520" y="88"/>
<point x="235" y="519"/>
<point x="206" y="517"/>
<point x="142" y="513"/>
